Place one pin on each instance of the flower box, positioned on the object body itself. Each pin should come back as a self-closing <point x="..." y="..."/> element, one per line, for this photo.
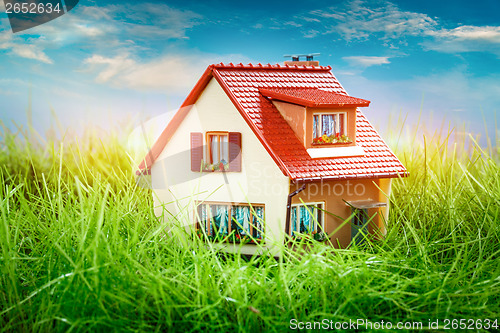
<point x="331" y="140"/>
<point x="211" y="167"/>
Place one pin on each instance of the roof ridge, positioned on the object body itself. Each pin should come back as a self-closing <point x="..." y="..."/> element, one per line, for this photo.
<point x="230" y="65"/>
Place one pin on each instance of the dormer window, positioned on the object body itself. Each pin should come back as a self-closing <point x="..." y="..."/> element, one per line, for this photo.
<point x="330" y="128"/>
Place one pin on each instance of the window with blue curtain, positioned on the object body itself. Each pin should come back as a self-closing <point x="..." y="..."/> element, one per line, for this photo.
<point x="305" y="218"/>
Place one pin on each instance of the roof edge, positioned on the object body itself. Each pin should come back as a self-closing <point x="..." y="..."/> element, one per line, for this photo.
<point x="269" y="66"/>
<point x="304" y="102"/>
<point x="354" y="177"/>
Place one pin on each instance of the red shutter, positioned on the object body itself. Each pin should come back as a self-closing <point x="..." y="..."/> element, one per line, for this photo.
<point x="196" y="151"/>
<point x="234" y="151"/>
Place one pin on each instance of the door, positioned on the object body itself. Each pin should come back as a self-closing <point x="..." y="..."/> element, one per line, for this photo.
<point x="359" y="225"/>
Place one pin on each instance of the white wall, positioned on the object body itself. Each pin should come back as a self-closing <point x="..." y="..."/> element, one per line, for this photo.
<point x="176" y="188"/>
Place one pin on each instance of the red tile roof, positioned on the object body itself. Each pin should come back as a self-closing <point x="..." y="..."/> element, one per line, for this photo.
<point x="313" y="97"/>
<point x="242" y="84"/>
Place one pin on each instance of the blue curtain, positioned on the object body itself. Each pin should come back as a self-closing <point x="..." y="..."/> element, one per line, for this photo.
<point x="306" y="221"/>
<point x="220" y="218"/>
<point x="242" y="215"/>
<point x="259" y="211"/>
<point x="293" y="220"/>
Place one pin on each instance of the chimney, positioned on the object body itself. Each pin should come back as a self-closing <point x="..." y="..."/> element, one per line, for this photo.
<point x="296" y="59"/>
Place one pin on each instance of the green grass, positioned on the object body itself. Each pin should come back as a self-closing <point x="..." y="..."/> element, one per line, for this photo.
<point x="82" y="250"/>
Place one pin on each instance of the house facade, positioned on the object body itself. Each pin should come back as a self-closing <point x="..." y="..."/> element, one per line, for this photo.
<point x="259" y="151"/>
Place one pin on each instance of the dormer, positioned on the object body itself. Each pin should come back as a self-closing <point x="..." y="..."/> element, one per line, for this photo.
<point x="320" y="119"/>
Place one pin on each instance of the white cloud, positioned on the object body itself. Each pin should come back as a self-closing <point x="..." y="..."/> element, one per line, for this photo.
<point x="104" y="28"/>
<point x="23" y="49"/>
<point x="358" y="20"/>
<point x="361" y="20"/>
<point x="170" y="72"/>
<point x="112" y="66"/>
<point x="465" y="38"/>
<point x="366" y="61"/>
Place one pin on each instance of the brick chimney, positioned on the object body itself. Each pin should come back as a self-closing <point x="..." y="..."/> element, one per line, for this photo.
<point x="296" y="60"/>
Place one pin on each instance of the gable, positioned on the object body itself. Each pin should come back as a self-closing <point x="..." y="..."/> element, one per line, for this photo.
<point x="213" y="112"/>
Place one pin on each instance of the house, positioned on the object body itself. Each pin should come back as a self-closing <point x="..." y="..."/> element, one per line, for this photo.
<point x="259" y="151"/>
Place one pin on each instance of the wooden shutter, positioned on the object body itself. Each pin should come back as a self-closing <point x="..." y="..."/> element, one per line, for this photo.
<point x="196" y="151"/>
<point x="234" y="151"/>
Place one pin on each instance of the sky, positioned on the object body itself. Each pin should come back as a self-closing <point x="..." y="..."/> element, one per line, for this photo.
<point x="106" y="63"/>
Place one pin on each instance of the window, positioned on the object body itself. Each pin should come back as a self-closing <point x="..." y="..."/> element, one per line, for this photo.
<point x="218" y="147"/>
<point x="238" y="221"/>
<point x="307" y="218"/>
<point x="330" y="128"/>
<point x="221" y="151"/>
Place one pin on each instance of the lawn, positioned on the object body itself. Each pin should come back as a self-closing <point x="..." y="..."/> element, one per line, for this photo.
<point x="82" y="250"/>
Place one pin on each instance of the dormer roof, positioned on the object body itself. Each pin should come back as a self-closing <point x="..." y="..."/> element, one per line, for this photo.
<point x="313" y="97"/>
<point x="244" y="84"/>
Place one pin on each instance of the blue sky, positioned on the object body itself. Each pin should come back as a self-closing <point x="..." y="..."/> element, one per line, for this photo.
<point x="107" y="62"/>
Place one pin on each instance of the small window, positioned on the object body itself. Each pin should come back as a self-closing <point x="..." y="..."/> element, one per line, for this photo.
<point x="218" y="147"/>
<point x="234" y="222"/>
<point x="307" y="218"/>
<point x="330" y="128"/>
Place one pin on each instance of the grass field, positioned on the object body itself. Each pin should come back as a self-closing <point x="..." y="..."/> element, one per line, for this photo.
<point x="81" y="250"/>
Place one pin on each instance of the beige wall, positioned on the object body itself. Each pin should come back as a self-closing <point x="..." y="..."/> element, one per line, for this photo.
<point x="332" y="193"/>
<point x="177" y="188"/>
<point x="295" y="116"/>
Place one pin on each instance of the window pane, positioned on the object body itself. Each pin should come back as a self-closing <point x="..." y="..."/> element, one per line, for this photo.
<point x="293" y="219"/>
<point x="258" y="220"/>
<point x="319" y="216"/>
<point x="214" y="147"/>
<point x="316" y="124"/>
<point x="341" y="124"/>
<point x="220" y="219"/>
<point x="305" y="220"/>
<point x="203" y="219"/>
<point x="242" y="216"/>
<point x="327" y="124"/>
<point x="335" y="124"/>
<point x="224" y="149"/>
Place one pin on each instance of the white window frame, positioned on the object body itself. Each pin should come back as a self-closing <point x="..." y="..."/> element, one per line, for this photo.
<point x="319" y="204"/>
<point x="320" y="114"/>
